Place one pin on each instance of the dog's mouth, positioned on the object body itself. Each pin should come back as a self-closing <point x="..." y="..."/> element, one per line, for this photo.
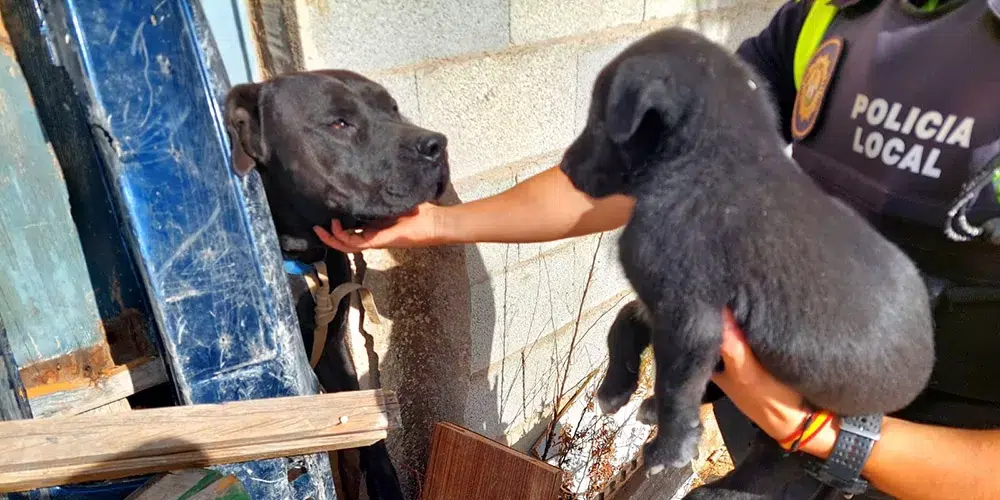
<point x="377" y="221"/>
<point x="442" y="185"/>
<point x="443" y="168"/>
<point x="368" y="222"/>
<point x="371" y="222"/>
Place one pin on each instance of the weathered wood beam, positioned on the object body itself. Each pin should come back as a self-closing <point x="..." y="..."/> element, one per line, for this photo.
<point x="275" y="30"/>
<point x="71" y="397"/>
<point x="66" y="450"/>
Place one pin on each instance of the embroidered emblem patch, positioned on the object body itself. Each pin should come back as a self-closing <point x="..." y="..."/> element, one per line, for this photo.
<point x="815" y="84"/>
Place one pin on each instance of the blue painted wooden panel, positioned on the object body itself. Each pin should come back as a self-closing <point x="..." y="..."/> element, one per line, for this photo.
<point x="46" y="298"/>
<point x="148" y="73"/>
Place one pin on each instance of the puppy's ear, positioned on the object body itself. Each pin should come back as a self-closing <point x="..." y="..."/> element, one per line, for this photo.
<point x="243" y="126"/>
<point x="635" y="92"/>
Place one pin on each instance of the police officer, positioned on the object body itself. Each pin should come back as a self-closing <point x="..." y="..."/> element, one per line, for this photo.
<point x="894" y="107"/>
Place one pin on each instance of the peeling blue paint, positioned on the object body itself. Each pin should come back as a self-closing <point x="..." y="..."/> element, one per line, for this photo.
<point x="45" y="293"/>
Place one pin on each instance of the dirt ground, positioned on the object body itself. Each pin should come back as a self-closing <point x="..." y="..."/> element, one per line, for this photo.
<point x="713" y="459"/>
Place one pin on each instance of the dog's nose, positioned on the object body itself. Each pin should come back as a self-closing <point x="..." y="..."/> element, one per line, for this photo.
<point x="432" y="146"/>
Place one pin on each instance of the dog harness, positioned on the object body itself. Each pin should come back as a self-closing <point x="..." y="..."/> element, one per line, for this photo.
<point x="327" y="302"/>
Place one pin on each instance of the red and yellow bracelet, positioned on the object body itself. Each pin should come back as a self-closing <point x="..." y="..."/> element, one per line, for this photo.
<point x="810" y="427"/>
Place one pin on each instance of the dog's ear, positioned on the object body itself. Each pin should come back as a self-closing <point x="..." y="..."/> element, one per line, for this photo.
<point x="636" y="90"/>
<point x="243" y="126"/>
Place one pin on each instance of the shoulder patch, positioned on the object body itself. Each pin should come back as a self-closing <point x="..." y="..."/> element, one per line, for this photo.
<point x="815" y="84"/>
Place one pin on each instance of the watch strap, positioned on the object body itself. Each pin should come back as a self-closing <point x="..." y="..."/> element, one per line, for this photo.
<point x="842" y="469"/>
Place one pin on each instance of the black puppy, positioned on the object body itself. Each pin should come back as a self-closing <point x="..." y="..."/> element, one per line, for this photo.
<point x="723" y="218"/>
<point x="333" y="145"/>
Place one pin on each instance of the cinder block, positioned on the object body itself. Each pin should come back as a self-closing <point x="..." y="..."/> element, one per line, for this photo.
<point x="728" y="22"/>
<point x="536" y="20"/>
<point x="729" y="26"/>
<point x="501" y="108"/>
<point x="403" y="87"/>
<point x="497" y="179"/>
<point x="366" y="36"/>
<point x="485" y="259"/>
<point x="589" y="63"/>
<point x="656" y="9"/>
<point x="520" y="389"/>
<point x="533" y="299"/>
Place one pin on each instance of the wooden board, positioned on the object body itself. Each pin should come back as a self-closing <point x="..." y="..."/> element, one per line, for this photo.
<point x="191" y="484"/>
<point x="465" y="465"/>
<point x="65" y="450"/>
<point x="275" y="30"/>
<point x="66" y="399"/>
<point x="663" y="486"/>
<point x="122" y="405"/>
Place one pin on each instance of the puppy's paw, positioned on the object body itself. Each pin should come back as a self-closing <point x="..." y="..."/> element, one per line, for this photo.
<point x="647" y="411"/>
<point x="613" y="394"/>
<point x="675" y="446"/>
<point x="611" y="403"/>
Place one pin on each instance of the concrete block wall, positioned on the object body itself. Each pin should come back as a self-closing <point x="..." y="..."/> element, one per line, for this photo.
<point x="480" y="334"/>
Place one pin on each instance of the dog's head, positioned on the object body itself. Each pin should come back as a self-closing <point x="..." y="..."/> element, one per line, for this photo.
<point x="653" y="102"/>
<point x="332" y="145"/>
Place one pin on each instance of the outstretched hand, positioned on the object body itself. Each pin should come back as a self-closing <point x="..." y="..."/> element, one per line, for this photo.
<point x="416" y="229"/>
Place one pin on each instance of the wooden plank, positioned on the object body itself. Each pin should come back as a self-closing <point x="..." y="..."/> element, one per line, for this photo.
<point x="65" y="399"/>
<point x="663" y="486"/>
<point x="274" y="27"/>
<point x="117" y="469"/>
<point x="62" y="440"/>
<point x="192" y="484"/>
<point x="66" y="450"/>
<point x="465" y="465"/>
<point x="120" y="406"/>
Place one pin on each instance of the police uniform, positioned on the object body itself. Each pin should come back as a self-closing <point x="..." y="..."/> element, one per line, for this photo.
<point x="892" y="106"/>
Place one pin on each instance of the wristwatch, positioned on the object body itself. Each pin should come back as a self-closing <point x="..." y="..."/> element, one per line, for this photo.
<point x="842" y="470"/>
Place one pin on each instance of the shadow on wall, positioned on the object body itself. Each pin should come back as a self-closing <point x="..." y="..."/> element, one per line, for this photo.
<point x="437" y="313"/>
<point x="427" y="297"/>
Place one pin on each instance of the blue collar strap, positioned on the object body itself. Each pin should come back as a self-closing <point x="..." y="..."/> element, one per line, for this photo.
<point x="297" y="268"/>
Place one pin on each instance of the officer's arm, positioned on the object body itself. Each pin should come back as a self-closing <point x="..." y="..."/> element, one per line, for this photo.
<point x="771" y="53"/>
<point x="922" y="461"/>
<point x="911" y="461"/>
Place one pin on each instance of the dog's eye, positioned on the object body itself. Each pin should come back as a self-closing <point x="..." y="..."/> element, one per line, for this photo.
<point x="340" y="123"/>
<point x="395" y="109"/>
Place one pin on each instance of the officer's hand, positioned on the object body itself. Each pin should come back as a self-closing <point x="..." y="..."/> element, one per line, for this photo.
<point x="772" y="405"/>
<point x="419" y="228"/>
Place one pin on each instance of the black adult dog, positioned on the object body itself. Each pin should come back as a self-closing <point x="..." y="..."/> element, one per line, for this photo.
<point x="333" y="145"/>
<point x="723" y="218"/>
